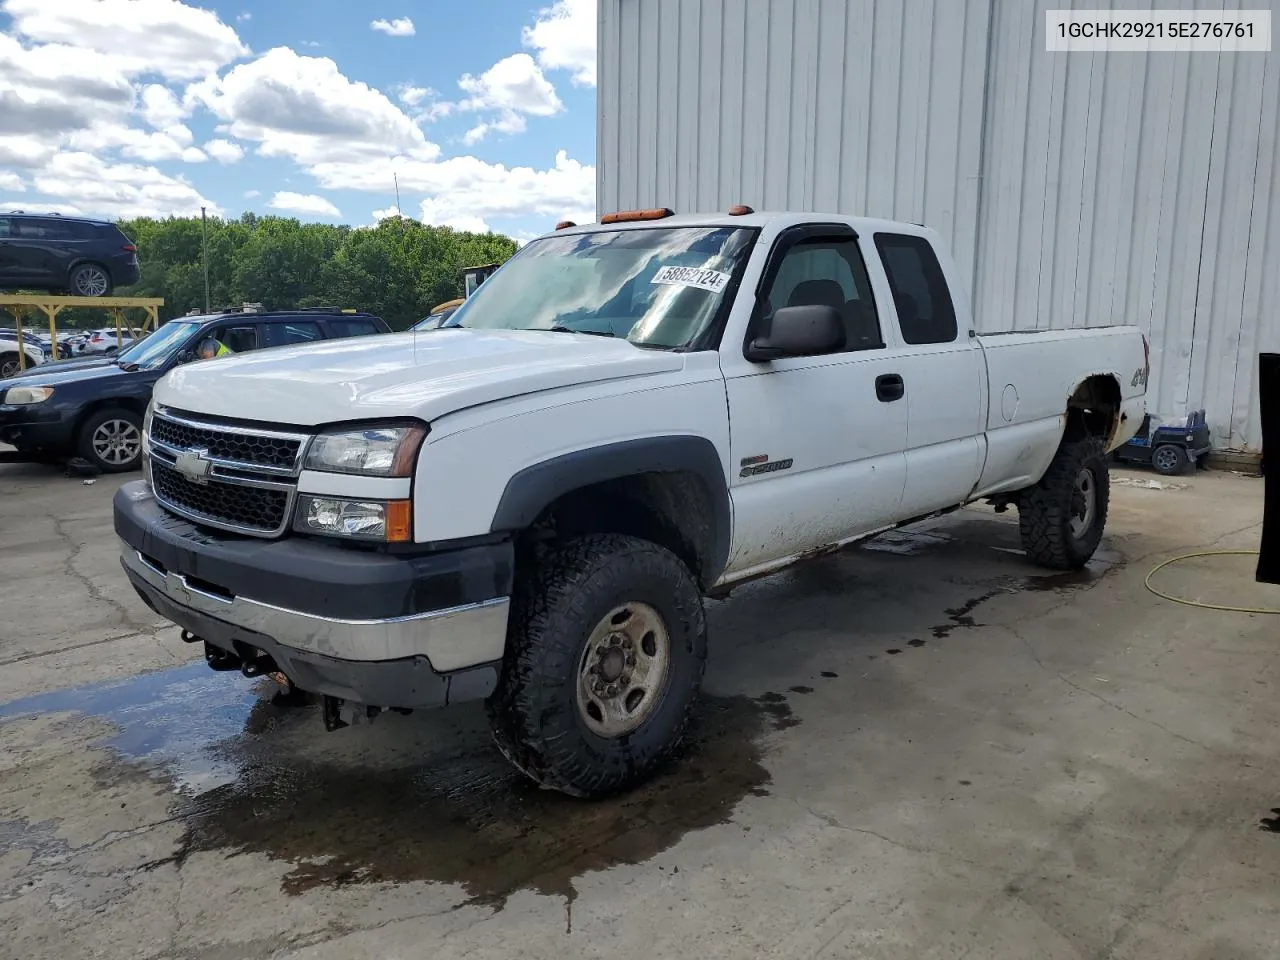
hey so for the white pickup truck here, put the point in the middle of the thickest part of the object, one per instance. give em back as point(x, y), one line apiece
point(529, 504)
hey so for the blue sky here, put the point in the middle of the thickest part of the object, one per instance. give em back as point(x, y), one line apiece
point(485, 111)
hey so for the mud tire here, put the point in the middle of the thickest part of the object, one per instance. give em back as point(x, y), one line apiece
point(534, 711)
point(1045, 510)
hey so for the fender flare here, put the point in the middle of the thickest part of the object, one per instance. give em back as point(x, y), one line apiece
point(531, 490)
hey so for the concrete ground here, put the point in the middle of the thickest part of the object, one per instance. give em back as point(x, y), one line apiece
point(924, 748)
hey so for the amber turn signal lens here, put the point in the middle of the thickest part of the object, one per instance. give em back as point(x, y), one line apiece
point(399, 521)
point(740, 210)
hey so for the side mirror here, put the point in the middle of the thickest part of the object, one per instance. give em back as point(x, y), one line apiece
point(803, 331)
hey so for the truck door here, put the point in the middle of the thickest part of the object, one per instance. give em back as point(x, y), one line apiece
point(816, 442)
point(944, 377)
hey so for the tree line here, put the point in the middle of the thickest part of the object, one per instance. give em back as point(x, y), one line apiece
point(397, 270)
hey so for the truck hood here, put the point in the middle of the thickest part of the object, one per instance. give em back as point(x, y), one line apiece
point(424, 375)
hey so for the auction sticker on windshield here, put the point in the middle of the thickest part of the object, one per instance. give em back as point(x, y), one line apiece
point(712, 280)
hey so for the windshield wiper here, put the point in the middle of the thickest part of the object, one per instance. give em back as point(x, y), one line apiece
point(127, 366)
point(561, 328)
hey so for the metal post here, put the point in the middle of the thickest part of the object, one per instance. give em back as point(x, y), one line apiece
point(204, 249)
point(22, 344)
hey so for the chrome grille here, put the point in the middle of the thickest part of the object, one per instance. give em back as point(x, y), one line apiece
point(231, 477)
point(256, 448)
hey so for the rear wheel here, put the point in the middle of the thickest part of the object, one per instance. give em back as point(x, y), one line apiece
point(111, 440)
point(1169, 459)
point(1062, 517)
point(10, 365)
point(90, 280)
point(605, 655)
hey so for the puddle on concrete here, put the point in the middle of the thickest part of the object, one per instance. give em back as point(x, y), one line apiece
point(467, 818)
point(962, 616)
point(830, 674)
point(170, 716)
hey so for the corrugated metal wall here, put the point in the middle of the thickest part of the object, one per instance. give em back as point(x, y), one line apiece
point(1076, 189)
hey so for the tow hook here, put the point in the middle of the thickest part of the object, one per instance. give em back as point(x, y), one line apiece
point(219, 659)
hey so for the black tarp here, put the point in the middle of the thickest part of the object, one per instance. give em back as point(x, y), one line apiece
point(1269, 404)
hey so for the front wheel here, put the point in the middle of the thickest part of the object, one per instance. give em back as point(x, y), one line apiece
point(10, 365)
point(605, 655)
point(112, 440)
point(1062, 517)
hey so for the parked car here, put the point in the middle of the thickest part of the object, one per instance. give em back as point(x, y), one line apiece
point(627, 417)
point(72, 255)
point(94, 406)
point(107, 340)
point(10, 364)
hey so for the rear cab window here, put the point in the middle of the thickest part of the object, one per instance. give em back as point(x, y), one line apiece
point(921, 296)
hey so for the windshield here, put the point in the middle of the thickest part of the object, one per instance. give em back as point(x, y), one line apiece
point(654, 287)
point(156, 349)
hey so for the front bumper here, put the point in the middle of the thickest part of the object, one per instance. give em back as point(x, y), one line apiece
point(35, 426)
point(373, 628)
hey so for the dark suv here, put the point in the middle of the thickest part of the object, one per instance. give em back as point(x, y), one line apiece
point(94, 406)
point(84, 258)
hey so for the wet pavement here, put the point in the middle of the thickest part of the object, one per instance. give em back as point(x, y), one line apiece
point(921, 747)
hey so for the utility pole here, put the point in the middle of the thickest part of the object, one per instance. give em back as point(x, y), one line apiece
point(396, 178)
point(204, 249)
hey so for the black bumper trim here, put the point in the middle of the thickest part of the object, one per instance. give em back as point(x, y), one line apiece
point(318, 578)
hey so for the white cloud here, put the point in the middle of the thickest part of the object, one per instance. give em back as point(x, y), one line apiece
point(380, 215)
point(27, 207)
point(160, 106)
point(311, 43)
point(11, 181)
point(305, 108)
point(25, 151)
point(399, 27)
point(172, 143)
point(303, 203)
point(250, 194)
point(117, 189)
point(412, 96)
point(49, 90)
point(224, 151)
point(242, 17)
point(140, 37)
point(564, 37)
point(465, 223)
point(468, 187)
point(515, 84)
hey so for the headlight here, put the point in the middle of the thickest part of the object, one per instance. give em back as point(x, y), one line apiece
point(21, 396)
point(370, 452)
point(384, 521)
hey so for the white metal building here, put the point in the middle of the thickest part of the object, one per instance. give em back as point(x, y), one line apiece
point(1076, 189)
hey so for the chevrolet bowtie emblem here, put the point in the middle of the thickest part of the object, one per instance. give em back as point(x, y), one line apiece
point(194, 465)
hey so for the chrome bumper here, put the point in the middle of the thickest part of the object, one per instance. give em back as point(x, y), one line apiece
point(450, 639)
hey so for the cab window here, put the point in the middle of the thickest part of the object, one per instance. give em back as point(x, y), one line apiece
point(240, 339)
point(293, 333)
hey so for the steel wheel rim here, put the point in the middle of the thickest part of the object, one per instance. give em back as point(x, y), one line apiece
point(116, 442)
point(1084, 502)
point(9, 368)
point(91, 282)
point(622, 675)
point(1166, 458)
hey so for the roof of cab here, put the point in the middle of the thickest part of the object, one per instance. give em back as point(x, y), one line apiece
point(758, 220)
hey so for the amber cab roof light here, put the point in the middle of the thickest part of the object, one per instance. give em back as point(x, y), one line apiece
point(628, 216)
point(565, 224)
point(740, 210)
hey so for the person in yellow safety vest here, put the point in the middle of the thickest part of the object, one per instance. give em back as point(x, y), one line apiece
point(210, 348)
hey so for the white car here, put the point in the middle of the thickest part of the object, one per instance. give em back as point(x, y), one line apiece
point(628, 416)
point(10, 362)
point(106, 340)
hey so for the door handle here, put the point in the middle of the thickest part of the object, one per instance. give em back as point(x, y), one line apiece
point(889, 387)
